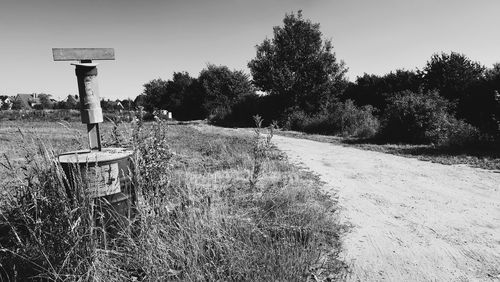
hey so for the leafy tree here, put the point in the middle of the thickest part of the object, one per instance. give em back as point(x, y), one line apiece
point(222, 89)
point(184, 98)
point(140, 100)
point(181, 95)
point(461, 81)
point(154, 94)
point(176, 89)
point(109, 106)
point(20, 104)
point(45, 101)
point(127, 104)
point(374, 90)
point(298, 65)
point(492, 82)
point(71, 102)
point(451, 74)
point(492, 77)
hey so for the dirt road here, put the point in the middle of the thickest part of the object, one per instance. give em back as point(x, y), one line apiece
point(412, 220)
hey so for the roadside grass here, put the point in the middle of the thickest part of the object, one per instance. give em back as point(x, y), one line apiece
point(485, 157)
point(212, 206)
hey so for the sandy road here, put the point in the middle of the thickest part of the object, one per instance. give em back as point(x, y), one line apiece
point(412, 220)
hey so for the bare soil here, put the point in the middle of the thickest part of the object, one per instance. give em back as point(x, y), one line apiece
point(412, 220)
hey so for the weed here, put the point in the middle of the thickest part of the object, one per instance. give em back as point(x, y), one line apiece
point(47, 234)
point(116, 136)
point(260, 151)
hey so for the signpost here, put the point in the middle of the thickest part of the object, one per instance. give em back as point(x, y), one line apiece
point(88, 88)
point(107, 171)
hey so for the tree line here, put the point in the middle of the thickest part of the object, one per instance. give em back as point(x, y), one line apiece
point(298, 82)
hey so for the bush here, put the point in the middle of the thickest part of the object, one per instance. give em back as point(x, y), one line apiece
point(344, 118)
point(297, 120)
point(410, 117)
point(240, 114)
point(420, 118)
point(451, 132)
point(356, 121)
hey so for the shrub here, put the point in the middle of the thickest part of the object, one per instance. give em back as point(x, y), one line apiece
point(450, 132)
point(410, 117)
point(240, 114)
point(425, 118)
point(296, 120)
point(344, 118)
point(356, 121)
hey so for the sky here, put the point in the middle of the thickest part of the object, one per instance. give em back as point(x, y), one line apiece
point(154, 38)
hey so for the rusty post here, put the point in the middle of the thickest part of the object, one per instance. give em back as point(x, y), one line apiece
point(88, 89)
point(90, 102)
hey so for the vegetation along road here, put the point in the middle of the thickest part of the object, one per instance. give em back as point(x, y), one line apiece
point(411, 220)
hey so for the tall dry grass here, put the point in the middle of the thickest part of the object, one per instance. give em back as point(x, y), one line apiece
point(211, 206)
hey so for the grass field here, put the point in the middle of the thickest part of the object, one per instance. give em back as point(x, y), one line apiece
point(214, 205)
point(20, 138)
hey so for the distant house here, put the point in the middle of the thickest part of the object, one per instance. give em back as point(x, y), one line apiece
point(28, 100)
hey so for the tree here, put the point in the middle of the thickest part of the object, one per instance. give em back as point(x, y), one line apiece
point(181, 95)
point(492, 83)
point(492, 77)
point(139, 101)
point(127, 104)
point(20, 104)
point(109, 105)
point(154, 94)
point(375, 90)
point(222, 89)
point(298, 65)
point(177, 88)
point(461, 81)
point(71, 102)
point(184, 97)
point(451, 74)
point(45, 101)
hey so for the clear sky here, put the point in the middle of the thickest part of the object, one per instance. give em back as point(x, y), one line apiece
point(154, 38)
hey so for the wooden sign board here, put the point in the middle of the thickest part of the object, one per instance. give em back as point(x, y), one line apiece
point(83, 54)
